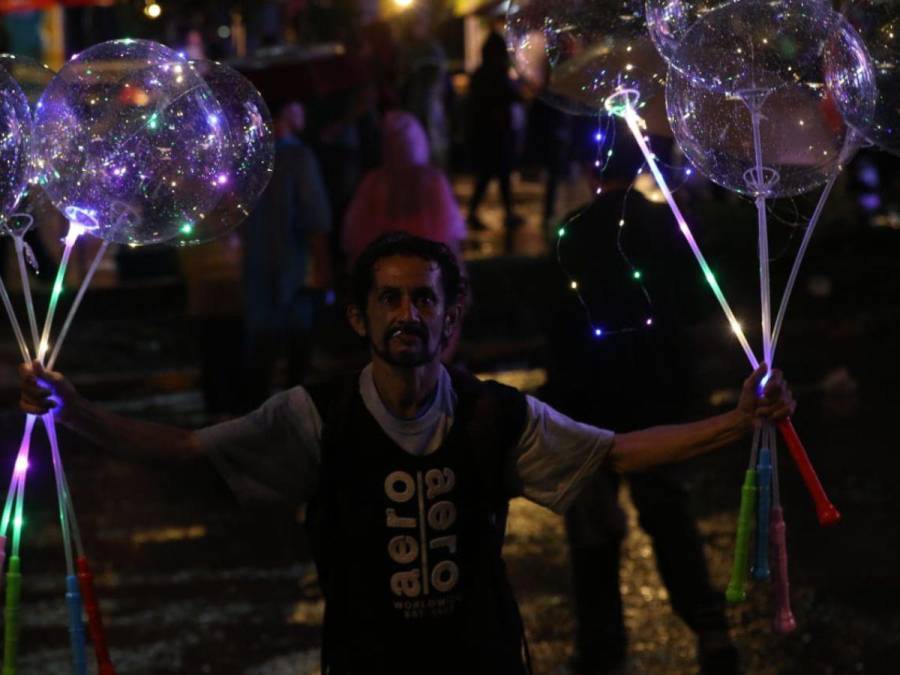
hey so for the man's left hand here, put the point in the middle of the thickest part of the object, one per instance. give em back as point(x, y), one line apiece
point(776, 401)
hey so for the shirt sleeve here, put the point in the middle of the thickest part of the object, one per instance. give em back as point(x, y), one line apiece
point(555, 456)
point(273, 453)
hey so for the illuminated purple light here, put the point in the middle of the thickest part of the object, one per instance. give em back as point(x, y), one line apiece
point(21, 465)
point(222, 179)
point(598, 332)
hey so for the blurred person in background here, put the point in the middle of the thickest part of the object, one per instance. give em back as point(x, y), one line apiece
point(647, 371)
point(423, 83)
point(492, 137)
point(405, 193)
point(287, 263)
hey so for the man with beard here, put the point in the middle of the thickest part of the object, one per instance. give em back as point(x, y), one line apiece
point(408, 469)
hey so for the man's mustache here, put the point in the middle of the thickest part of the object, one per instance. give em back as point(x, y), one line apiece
point(407, 328)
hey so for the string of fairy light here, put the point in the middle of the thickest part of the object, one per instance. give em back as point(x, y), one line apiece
point(604, 138)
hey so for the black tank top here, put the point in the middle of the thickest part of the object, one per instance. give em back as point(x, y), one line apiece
point(409, 548)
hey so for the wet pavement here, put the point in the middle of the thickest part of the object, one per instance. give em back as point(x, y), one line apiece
point(191, 581)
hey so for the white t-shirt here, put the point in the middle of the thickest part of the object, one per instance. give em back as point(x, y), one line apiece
point(278, 447)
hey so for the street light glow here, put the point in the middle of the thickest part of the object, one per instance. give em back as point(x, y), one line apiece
point(152, 10)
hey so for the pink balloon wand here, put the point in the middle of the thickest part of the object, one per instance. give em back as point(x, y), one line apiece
point(784, 621)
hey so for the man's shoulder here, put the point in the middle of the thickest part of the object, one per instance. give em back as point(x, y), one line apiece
point(327, 393)
point(493, 402)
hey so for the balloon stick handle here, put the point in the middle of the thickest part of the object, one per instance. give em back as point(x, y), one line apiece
point(825, 510)
point(736, 591)
point(95, 618)
point(11, 616)
point(784, 619)
point(763, 506)
point(76, 626)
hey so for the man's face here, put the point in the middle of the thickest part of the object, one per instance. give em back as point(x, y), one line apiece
point(406, 321)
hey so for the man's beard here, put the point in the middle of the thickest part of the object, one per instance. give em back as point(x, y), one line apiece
point(408, 359)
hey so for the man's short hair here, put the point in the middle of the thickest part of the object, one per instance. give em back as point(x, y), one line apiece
point(362, 278)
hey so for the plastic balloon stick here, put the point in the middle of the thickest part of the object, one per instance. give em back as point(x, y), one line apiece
point(622, 104)
point(60, 496)
point(763, 507)
point(75, 231)
point(95, 619)
point(95, 263)
point(19, 471)
point(853, 138)
point(76, 626)
point(737, 591)
point(11, 616)
point(20, 339)
point(26, 286)
point(757, 181)
point(784, 618)
point(825, 510)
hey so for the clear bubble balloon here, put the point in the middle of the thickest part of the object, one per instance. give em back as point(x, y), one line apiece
point(576, 54)
point(248, 152)
point(755, 45)
point(878, 23)
point(32, 77)
point(803, 134)
point(15, 132)
point(128, 140)
point(669, 20)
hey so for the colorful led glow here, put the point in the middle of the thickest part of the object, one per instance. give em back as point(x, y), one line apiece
point(21, 465)
point(621, 104)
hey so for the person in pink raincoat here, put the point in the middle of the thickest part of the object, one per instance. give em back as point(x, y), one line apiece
point(404, 194)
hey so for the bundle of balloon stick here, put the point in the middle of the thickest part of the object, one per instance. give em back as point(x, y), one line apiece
point(135, 145)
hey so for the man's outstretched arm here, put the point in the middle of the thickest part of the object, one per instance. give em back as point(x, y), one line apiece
point(45, 391)
point(639, 450)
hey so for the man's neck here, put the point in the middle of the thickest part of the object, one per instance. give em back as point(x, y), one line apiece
point(405, 392)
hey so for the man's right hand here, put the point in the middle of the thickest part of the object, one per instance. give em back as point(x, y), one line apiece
point(45, 390)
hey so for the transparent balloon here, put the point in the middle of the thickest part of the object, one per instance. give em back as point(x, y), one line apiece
point(248, 152)
point(576, 54)
point(804, 135)
point(878, 23)
point(15, 132)
point(669, 20)
point(33, 78)
point(128, 141)
point(31, 75)
point(755, 45)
